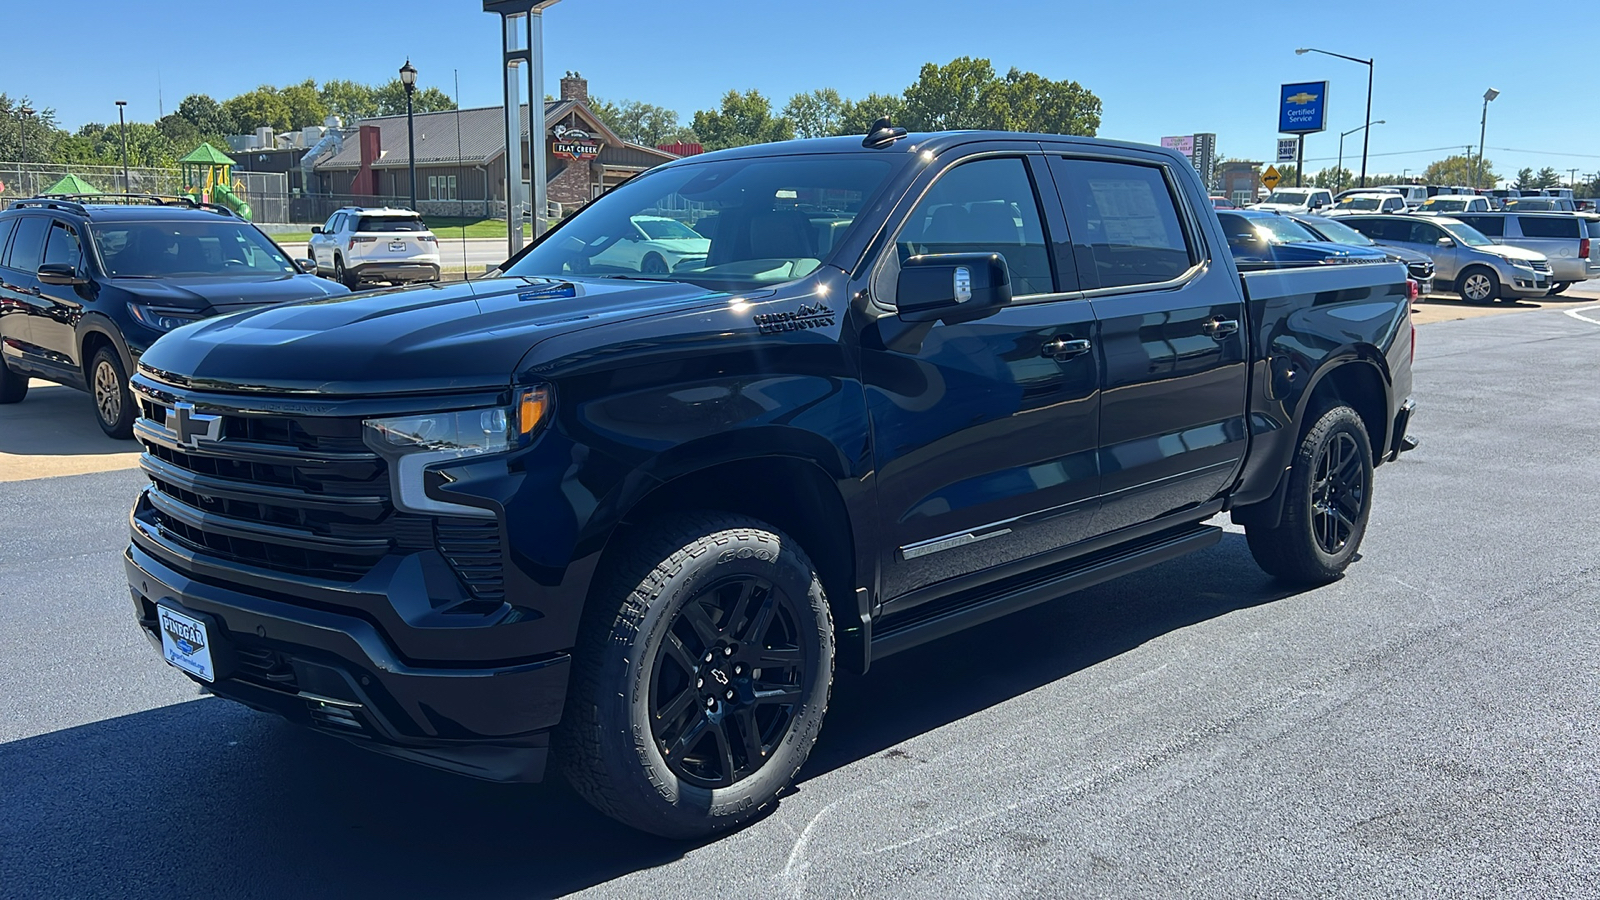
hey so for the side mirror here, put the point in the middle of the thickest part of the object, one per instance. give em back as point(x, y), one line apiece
point(59, 273)
point(316, 229)
point(307, 266)
point(1446, 242)
point(952, 287)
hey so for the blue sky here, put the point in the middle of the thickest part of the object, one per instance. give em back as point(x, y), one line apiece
point(1161, 68)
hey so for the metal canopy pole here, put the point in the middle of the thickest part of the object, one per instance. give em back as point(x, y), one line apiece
point(526, 49)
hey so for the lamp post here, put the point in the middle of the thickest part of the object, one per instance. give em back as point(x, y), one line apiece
point(1365, 137)
point(1483, 128)
point(408, 77)
point(1340, 166)
point(122, 123)
point(24, 113)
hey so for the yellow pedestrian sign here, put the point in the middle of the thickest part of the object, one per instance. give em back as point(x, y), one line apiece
point(1270, 177)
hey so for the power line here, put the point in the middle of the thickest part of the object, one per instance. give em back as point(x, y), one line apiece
point(1548, 152)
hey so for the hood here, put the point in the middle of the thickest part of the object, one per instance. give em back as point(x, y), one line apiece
point(1281, 207)
point(441, 338)
point(228, 294)
point(1510, 252)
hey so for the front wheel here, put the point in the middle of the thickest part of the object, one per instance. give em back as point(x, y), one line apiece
point(113, 404)
point(1326, 508)
point(654, 265)
point(1558, 287)
point(701, 676)
point(1478, 285)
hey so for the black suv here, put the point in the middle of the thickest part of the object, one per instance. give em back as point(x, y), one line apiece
point(88, 282)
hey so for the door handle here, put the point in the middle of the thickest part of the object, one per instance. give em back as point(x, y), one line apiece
point(1219, 328)
point(1064, 348)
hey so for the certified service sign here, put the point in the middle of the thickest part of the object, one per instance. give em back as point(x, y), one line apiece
point(1303, 108)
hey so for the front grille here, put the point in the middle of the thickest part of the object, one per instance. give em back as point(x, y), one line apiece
point(303, 495)
point(1540, 265)
point(1421, 271)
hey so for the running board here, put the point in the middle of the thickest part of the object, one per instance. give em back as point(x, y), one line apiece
point(919, 625)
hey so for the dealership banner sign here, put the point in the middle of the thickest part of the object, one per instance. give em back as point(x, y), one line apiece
point(1303, 108)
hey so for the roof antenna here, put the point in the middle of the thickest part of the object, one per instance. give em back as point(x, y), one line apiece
point(883, 133)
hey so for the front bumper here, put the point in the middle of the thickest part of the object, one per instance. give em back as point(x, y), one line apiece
point(340, 674)
point(1525, 284)
point(396, 271)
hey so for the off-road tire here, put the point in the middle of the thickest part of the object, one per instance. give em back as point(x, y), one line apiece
point(607, 746)
point(114, 409)
point(13, 387)
point(1295, 551)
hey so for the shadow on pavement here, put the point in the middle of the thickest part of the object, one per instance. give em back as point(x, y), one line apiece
point(209, 799)
point(55, 421)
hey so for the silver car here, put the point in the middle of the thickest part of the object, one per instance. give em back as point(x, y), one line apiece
point(1563, 237)
point(1477, 268)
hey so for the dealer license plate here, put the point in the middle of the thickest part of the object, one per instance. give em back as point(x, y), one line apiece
point(397, 245)
point(185, 644)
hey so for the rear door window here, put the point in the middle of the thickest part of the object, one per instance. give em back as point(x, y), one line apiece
point(1493, 226)
point(27, 248)
point(1550, 227)
point(1124, 222)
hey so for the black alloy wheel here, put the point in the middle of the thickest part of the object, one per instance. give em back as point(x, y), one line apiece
point(113, 404)
point(1339, 493)
point(729, 678)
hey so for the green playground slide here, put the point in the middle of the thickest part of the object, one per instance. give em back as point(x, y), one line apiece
point(224, 196)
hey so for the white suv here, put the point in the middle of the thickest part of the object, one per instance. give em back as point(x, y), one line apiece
point(359, 244)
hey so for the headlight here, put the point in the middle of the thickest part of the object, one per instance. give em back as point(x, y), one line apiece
point(1522, 264)
point(163, 318)
point(412, 443)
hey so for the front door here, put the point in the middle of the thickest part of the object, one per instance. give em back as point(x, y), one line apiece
point(61, 306)
point(1173, 396)
point(984, 433)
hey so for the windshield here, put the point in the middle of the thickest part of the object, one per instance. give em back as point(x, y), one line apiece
point(389, 224)
point(1295, 198)
point(1340, 233)
point(1282, 230)
point(158, 249)
point(667, 230)
point(1360, 203)
point(1466, 234)
point(763, 221)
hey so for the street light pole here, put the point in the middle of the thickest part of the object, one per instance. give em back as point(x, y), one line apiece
point(1365, 137)
point(408, 77)
point(1483, 128)
point(24, 113)
point(122, 122)
point(1339, 167)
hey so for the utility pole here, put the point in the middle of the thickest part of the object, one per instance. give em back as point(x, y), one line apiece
point(123, 122)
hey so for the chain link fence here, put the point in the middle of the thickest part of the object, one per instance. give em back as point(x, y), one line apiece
point(266, 192)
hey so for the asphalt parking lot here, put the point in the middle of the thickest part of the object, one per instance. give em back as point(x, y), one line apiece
point(1427, 726)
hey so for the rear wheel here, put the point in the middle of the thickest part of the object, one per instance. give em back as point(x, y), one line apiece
point(13, 387)
point(342, 276)
point(701, 676)
point(1478, 285)
point(1329, 497)
point(113, 405)
point(1558, 287)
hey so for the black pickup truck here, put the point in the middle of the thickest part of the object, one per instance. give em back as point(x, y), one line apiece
point(626, 505)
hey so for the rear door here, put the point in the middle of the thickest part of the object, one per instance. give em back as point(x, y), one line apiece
point(19, 293)
point(1171, 337)
point(984, 432)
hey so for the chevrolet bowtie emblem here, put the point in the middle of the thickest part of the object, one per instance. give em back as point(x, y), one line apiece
point(1301, 99)
point(190, 427)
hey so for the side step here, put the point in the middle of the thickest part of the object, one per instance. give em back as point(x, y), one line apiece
point(940, 618)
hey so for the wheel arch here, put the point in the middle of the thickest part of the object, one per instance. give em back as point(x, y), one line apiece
point(95, 333)
point(795, 494)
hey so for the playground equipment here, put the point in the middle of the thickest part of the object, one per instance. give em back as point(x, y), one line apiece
point(71, 184)
point(208, 178)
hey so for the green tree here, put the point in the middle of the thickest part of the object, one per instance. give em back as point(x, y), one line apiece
point(262, 107)
point(349, 100)
point(642, 123)
point(1460, 169)
point(1030, 102)
point(960, 94)
point(815, 113)
point(305, 104)
point(1547, 178)
point(27, 138)
point(1334, 179)
point(743, 118)
point(205, 114)
point(391, 99)
point(857, 116)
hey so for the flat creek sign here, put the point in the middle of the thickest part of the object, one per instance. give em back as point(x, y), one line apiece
point(574, 143)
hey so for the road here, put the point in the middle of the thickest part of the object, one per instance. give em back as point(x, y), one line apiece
point(1425, 727)
point(455, 254)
